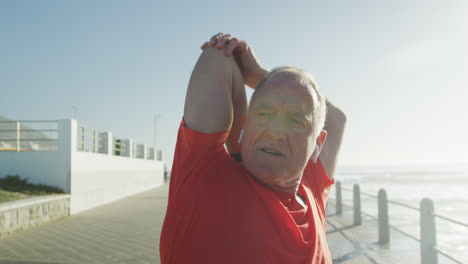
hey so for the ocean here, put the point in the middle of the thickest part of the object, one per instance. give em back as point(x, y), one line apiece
point(446, 185)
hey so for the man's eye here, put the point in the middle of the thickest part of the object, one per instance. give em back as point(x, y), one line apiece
point(297, 122)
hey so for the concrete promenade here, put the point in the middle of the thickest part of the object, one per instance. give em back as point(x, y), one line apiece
point(127, 231)
point(352, 244)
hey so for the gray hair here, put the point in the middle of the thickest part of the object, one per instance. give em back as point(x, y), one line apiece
point(306, 79)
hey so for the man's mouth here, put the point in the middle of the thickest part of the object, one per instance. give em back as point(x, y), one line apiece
point(271, 151)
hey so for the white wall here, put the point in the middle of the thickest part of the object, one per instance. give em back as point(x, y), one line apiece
point(99, 178)
point(92, 179)
point(42, 167)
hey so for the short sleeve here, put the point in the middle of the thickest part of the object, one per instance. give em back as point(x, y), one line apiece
point(193, 153)
point(318, 181)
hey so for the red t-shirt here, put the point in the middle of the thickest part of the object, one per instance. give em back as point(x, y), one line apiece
point(218, 213)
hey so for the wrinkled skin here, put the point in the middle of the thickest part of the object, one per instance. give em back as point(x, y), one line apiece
point(279, 139)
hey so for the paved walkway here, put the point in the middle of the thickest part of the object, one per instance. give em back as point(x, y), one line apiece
point(359, 244)
point(126, 231)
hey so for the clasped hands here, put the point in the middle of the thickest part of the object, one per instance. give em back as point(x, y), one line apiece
point(251, 70)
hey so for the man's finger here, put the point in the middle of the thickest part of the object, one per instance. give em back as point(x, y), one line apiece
point(223, 41)
point(203, 47)
point(231, 46)
point(215, 38)
point(242, 46)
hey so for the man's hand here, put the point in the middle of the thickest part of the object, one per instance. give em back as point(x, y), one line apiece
point(252, 72)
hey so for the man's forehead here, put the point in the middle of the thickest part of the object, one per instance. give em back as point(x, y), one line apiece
point(298, 110)
point(287, 82)
point(293, 98)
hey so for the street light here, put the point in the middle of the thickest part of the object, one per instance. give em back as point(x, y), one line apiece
point(156, 116)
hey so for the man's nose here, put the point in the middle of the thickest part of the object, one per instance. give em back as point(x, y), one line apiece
point(277, 129)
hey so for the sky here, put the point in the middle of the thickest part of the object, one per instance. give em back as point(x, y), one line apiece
point(396, 68)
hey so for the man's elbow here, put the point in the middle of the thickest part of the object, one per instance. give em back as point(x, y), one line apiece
point(341, 117)
point(336, 115)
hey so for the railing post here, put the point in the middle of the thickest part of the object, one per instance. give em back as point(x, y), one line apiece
point(66, 147)
point(384, 227)
point(339, 205)
point(109, 143)
point(82, 138)
point(357, 205)
point(18, 127)
point(428, 232)
point(94, 140)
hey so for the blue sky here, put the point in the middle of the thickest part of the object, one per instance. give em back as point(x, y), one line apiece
point(397, 68)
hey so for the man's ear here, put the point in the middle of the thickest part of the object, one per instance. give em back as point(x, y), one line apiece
point(321, 139)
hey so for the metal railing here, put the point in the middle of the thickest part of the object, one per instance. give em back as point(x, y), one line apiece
point(138, 151)
point(150, 154)
point(119, 146)
point(31, 138)
point(88, 140)
point(429, 250)
point(14, 135)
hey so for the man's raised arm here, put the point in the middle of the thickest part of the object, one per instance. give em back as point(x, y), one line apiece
point(209, 102)
point(216, 98)
point(334, 125)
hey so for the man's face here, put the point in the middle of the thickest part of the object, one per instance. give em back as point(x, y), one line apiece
point(278, 139)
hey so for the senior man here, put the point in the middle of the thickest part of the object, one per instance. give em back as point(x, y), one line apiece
point(247, 183)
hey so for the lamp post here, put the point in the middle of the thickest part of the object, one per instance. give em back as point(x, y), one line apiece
point(156, 116)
